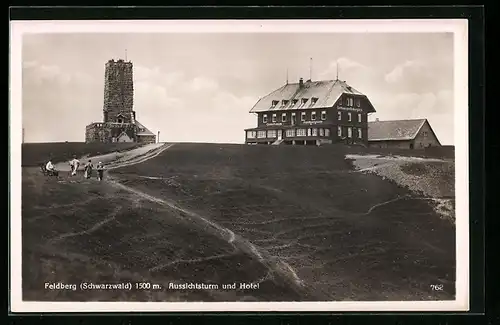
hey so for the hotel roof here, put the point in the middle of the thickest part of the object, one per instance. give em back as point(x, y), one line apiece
point(316, 94)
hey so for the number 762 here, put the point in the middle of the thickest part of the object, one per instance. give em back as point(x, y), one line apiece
point(436, 287)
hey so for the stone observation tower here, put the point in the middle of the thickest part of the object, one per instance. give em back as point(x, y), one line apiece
point(119, 118)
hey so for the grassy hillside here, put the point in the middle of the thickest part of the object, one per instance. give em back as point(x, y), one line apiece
point(34, 154)
point(209, 213)
point(347, 234)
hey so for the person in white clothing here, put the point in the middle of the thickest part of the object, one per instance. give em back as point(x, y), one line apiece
point(74, 164)
point(51, 169)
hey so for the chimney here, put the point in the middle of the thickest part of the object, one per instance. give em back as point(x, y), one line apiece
point(301, 82)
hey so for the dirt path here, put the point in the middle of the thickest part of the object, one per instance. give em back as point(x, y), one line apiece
point(120, 159)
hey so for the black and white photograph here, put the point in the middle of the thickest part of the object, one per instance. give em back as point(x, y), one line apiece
point(239, 165)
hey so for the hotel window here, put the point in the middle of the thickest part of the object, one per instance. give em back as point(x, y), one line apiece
point(313, 116)
point(349, 132)
point(294, 118)
point(349, 101)
point(290, 133)
point(251, 134)
point(360, 134)
point(339, 131)
point(274, 118)
point(283, 117)
point(303, 116)
point(301, 132)
point(303, 101)
point(284, 103)
point(261, 134)
point(271, 134)
point(339, 115)
point(309, 132)
point(327, 132)
point(321, 132)
point(294, 101)
point(349, 117)
point(323, 115)
point(314, 132)
point(264, 118)
point(274, 103)
point(359, 118)
point(358, 102)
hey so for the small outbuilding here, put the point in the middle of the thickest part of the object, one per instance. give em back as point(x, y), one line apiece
point(402, 134)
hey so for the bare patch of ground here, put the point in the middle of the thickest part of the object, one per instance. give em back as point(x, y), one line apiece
point(433, 179)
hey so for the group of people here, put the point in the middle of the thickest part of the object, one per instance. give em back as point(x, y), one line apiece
point(75, 164)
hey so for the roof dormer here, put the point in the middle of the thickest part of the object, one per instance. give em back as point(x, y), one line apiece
point(313, 101)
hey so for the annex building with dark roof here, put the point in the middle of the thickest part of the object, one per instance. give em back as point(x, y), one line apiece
point(119, 117)
point(402, 134)
point(311, 113)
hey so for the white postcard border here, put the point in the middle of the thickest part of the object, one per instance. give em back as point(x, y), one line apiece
point(459, 27)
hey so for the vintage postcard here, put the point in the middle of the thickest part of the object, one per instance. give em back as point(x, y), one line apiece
point(313, 165)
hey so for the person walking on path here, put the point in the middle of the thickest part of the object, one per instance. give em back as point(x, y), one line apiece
point(74, 164)
point(88, 169)
point(100, 171)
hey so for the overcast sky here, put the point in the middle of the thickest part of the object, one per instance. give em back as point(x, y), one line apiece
point(200, 88)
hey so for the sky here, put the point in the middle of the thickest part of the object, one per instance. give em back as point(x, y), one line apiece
point(201, 87)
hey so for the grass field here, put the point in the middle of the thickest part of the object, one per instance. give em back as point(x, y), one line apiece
point(302, 222)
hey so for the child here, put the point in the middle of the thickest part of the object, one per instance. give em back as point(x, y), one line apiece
point(74, 164)
point(88, 169)
point(100, 171)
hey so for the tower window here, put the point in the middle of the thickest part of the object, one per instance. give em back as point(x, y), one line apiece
point(339, 115)
point(349, 117)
